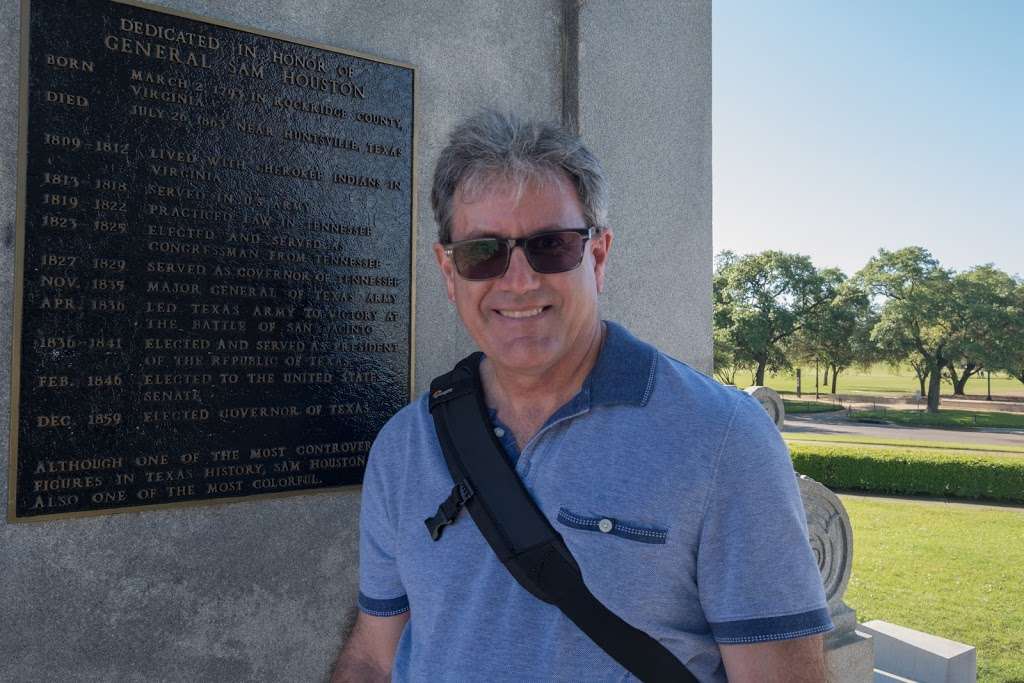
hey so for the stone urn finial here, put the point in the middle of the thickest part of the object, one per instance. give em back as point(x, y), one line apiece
point(771, 402)
point(831, 537)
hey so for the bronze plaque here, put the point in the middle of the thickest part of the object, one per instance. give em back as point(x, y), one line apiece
point(214, 287)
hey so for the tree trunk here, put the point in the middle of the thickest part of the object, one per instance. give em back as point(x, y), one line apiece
point(835, 379)
point(934, 387)
point(922, 376)
point(759, 375)
point(824, 380)
point(959, 383)
point(954, 378)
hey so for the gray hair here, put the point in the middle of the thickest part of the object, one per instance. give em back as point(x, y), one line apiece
point(491, 146)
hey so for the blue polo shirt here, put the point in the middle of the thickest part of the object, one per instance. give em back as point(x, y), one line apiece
point(675, 494)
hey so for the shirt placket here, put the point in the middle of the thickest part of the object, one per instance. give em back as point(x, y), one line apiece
point(538, 443)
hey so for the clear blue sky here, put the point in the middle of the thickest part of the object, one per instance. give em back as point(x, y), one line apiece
point(841, 127)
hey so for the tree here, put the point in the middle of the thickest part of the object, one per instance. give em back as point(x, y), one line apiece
point(983, 298)
point(918, 306)
point(725, 360)
point(761, 301)
point(838, 333)
point(1006, 350)
point(897, 348)
point(1013, 339)
point(726, 363)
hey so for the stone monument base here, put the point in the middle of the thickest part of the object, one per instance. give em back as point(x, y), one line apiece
point(849, 655)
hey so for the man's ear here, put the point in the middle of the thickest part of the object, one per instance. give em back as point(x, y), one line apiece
point(602, 244)
point(447, 270)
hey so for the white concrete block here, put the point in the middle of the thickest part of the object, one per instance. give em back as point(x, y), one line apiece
point(920, 656)
point(886, 677)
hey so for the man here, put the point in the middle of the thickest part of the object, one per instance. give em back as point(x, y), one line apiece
point(675, 495)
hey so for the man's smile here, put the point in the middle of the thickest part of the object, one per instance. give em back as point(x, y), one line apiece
point(518, 313)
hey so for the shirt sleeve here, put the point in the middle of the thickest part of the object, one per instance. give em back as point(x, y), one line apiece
point(757, 577)
point(381, 593)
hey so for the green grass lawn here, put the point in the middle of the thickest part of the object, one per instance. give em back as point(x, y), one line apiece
point(881, 379)
point(951, 570)
point(799, 407)
point(955, 419)
point(916, 444)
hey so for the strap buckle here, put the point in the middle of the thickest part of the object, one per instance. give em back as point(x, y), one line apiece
point(448, 511)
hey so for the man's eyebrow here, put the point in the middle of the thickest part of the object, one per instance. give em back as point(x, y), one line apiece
point(477, 233)
point(482, 232)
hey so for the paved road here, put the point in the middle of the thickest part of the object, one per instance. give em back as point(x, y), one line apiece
point(826, 423)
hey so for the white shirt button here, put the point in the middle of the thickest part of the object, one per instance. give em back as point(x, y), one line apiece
point(605, 525)
point(499, 432)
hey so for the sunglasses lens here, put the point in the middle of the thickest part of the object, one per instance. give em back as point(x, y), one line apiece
point(480, 259)
point(555, 252)
point(549, 252)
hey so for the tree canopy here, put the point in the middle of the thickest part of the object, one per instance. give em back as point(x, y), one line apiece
point(773, 309)
point(761, 301)
point(919, 303)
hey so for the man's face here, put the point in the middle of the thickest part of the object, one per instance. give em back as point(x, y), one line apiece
point(527, 322)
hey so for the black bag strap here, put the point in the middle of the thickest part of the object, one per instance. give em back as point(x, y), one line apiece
point(520, 535)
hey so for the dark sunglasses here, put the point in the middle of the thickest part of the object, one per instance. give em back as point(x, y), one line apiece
point(556, 251)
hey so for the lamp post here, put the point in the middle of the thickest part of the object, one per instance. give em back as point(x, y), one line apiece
point(989, 397)
point(816, 379)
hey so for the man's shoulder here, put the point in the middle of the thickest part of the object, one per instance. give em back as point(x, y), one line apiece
point(676, 380)
point(412, 422)
point(696, 381)
point(634, 372)
point(711, 401)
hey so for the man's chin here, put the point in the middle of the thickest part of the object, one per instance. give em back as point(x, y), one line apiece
point(527, 356)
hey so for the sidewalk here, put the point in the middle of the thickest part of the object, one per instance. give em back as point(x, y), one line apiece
point(914, 402)
point(927, 500)
point(837, 424)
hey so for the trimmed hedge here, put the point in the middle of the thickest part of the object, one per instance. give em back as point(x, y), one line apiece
point(911, 472)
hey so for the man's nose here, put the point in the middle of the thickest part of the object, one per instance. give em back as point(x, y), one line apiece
point(520, 274)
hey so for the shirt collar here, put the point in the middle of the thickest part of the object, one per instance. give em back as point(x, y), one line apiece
point(624, 371)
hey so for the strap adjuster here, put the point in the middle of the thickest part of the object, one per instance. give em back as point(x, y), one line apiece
point(448, 511)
